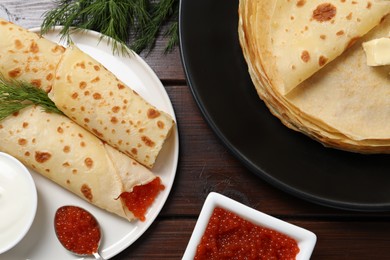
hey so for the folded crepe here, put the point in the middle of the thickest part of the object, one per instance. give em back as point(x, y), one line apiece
point(93, 97)
point(349, 95)
point(297, 38)
point(344, 104)
point(59, 149)
point(86, 92)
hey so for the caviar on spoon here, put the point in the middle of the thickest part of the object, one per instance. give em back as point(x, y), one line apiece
point(78, 231)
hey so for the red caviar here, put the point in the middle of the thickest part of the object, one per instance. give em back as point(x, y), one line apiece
point(228, 236)
point(77, 230)
point(142, 196)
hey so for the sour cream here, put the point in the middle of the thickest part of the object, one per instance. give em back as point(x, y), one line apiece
point(18, 201)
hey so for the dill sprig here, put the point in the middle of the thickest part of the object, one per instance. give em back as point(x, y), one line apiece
point(117, 20)
point(16, 95)
point(161, 13)
point(110, 17)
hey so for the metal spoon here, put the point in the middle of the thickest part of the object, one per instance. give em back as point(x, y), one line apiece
point(63, 217)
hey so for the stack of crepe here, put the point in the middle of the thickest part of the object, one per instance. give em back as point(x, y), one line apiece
point(307, 63)
point(110, 137)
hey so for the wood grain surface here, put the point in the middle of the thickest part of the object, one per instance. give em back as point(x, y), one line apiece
point(206, 165)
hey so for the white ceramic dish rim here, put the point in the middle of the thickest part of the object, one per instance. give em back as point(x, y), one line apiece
point(33, 200)
point(305, 238)
point(118, 233)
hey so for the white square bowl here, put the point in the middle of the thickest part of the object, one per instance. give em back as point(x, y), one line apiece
point(306, 239)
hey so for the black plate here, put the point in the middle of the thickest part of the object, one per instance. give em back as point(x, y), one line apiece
point(218, 76)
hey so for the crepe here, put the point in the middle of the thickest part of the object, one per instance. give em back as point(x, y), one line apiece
point(343, 105)
point(57, 148)
point(86, 92)
point(26, 56)
point(93, 97)
point(359, 107)
point(297, 38)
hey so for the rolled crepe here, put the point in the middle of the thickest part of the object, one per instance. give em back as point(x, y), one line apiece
point(26, 56)
point(59, 149)
point(86, 92)
point(93, 97)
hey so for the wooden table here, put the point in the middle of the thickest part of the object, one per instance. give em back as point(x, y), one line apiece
point(206, 165)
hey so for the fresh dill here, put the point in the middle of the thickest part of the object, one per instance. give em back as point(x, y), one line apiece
point(16, 95)
point(133, 23)
point(162, 13)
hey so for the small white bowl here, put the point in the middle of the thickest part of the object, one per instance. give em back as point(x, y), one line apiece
point(306, 239)
point(18, 201)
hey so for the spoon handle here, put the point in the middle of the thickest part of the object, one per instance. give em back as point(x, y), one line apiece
point(97, 256)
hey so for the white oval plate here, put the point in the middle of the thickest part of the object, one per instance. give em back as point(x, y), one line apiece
point(118, 234)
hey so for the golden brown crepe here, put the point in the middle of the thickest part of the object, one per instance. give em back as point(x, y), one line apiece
point(297, 38)
point(344, 104)
point(69, 155)
point(87, 92)
point(94, 98)
point(26, 56)
point(349, 95)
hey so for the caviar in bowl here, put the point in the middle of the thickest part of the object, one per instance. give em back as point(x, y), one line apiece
point(18, 201)
point(227, 229)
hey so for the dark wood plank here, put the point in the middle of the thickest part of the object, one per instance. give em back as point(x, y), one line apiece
point(167, 66)
point(350, 239)
point(205, 165)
